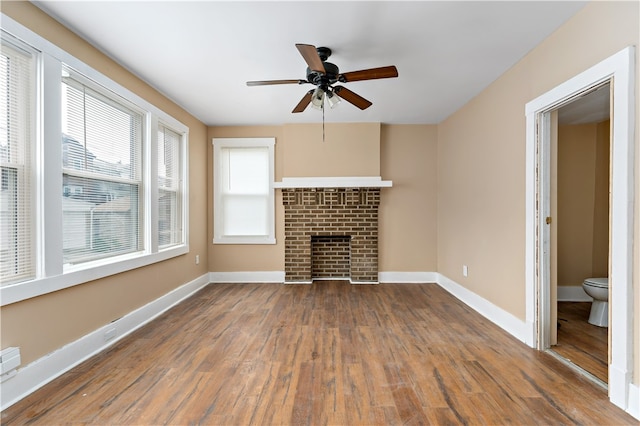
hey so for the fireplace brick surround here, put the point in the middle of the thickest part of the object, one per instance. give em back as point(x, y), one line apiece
point(331, 212)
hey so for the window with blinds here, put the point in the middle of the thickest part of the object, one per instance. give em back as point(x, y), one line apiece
point(92, 176)
point(101, 174)
point(17, 106)
point(243, 191)
point(170, 195)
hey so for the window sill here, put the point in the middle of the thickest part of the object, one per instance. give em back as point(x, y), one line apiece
point(244, 240)
point(81, 274)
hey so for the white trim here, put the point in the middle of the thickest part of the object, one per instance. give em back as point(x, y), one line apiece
point(408, 277)
point(40, 372)
point(363, 282)
point(27, 289)
point(247, 277)
point(503, 319)
point(621, 68)
point(572, 293)
point(334, 182)
point(279, 277)
point(634, 401)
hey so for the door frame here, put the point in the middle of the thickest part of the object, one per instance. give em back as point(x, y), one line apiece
point(619, 68)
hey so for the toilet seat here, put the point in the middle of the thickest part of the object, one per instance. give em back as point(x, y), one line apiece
point(597, 282)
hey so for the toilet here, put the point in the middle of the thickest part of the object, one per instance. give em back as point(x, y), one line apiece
point(598, 289)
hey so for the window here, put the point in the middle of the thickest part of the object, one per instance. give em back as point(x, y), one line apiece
point(243, 191)
point(17, 92)
point(170, 196)
point(101, 174)
point(93, 178)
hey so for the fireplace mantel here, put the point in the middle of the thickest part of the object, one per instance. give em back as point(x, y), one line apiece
point(333, 182)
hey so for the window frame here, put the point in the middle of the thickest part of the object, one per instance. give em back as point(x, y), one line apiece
point(218, 204)
point(79, 82)
point(51, 273)
point(180, 190)
point(24, 168)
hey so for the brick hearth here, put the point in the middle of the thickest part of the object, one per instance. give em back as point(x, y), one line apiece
point(331, 212)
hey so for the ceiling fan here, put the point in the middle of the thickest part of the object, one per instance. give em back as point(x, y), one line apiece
point(324, 75)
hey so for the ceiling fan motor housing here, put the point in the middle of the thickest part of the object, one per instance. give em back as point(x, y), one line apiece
point(329, 77)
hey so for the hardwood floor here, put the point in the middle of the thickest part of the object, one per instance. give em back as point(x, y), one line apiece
point(583, 344)
point(327, 353)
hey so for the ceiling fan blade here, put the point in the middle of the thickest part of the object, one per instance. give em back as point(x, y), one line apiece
point(311, 57)
point(302, 105)
point(351, 97)
point(269, 82)
point(370, 74)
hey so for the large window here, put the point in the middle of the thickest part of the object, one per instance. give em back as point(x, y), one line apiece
point(243, 191)
point(17, 91)
point(101, 180)
point(92, 176)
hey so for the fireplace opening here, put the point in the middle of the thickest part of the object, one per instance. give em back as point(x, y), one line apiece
point(330, 257)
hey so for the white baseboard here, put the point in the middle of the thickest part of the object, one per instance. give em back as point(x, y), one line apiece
point(633, 407)
point(40, 372)
point(408, 277)
point(503, 319)
point(279, 277)
point(572, 293)
point(247, 277)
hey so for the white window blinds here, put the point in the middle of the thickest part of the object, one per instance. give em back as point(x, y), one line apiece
point(17, 91)
point(102, 176)
point(243, 191)
point(169, 188)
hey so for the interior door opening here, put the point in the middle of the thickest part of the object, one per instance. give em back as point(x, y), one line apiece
point(619, 70)
point(579, 168)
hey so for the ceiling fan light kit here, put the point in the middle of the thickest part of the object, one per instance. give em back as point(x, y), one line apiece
point(324, 75)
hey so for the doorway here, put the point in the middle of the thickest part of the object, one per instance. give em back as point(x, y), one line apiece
point(618, 69)
point(579, 230)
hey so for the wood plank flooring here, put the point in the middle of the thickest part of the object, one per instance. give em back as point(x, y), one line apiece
point(328, 353)
point(583, 344)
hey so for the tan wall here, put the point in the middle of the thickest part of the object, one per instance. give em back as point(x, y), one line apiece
point(404, 154)
point(407, 239)
point(42, 324)
point(600, 255)
point(481, 159)
point(583, 189)
point(349, 149)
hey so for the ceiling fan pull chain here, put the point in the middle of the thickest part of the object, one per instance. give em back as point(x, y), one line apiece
point(323, 122)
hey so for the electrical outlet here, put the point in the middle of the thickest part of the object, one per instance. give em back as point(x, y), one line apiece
point(197, 259)
point(465, 270)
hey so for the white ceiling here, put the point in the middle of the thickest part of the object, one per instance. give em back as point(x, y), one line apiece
point(593, 107)
point(200, 54)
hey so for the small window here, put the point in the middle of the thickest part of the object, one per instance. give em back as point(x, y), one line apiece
point(243, 191)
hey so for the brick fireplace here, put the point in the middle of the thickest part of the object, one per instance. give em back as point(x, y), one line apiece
point(331, 231)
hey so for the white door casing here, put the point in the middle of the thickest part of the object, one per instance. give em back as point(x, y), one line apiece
point(619, 68)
